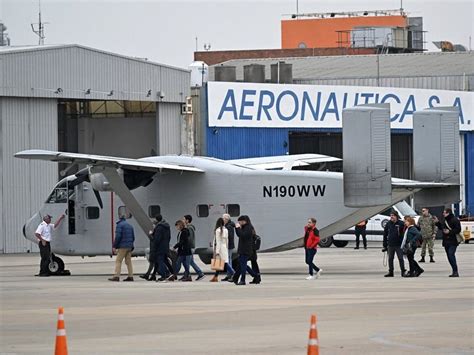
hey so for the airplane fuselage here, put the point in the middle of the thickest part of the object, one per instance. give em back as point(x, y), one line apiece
point(278, 203)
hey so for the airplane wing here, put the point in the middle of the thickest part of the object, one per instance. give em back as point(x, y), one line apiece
point(285, 162)
point(100, 160)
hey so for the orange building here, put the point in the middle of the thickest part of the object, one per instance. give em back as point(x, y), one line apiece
point(329, 31)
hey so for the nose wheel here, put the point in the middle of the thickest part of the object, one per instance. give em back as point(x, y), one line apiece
point(56, 265)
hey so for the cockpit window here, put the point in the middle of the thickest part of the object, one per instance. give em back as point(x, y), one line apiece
point(60, 193)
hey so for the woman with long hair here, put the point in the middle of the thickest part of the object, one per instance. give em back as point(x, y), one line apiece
point(221, 247)
point(183, 248)
point(409, 245)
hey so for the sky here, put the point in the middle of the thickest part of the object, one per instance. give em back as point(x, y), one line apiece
point(165, 31)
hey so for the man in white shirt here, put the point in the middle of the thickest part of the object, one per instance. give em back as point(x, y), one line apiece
point(44, 233)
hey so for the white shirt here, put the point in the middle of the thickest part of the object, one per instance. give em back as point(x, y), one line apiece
point(45, 230)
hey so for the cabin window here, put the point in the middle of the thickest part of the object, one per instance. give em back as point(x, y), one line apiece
point(202, 211)
point(153, 211)
point(233, 210)
point(92, 212)
point(122, 210)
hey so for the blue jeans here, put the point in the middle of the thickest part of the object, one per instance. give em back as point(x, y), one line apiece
point(230, 270)
point(309, 255)
point(186, 261)
point(451, 254)
point(243, 268)
point(196, 268)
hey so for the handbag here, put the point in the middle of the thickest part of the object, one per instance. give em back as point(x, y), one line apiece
point(217, 264)
point(459, 236)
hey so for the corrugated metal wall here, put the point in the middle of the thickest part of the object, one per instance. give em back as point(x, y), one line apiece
point(74, 69)
point(469, 172)
point(234, 143)
point(448, 82)
point(26, 124)
point(169, 126)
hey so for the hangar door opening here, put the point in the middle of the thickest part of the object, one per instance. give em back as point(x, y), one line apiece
point(330, 143)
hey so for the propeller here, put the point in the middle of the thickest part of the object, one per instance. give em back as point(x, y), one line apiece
point(81, 176)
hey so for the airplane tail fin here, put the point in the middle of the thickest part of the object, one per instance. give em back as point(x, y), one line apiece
point(366, 155)
point(436, 154)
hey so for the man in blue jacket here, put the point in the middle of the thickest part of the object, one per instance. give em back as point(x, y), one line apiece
point(123, 245)
point(392, 241)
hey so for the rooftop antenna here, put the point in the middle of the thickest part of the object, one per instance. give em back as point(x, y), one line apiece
point(40, 30)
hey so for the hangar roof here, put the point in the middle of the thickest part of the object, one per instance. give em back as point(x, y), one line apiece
point(364, 66)
point(87, 73)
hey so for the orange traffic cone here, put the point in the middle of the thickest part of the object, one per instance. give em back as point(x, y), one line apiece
point(313, 342)
point(61, 345)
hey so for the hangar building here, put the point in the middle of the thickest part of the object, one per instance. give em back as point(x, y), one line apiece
point(77, 99)
point(441, 74)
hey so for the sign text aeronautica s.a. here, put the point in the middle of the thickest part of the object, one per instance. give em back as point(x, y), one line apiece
point(318, 106)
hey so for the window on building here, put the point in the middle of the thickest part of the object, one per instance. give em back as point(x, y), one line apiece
point(233, 210)
point(153, 211)
point(92, 212)
point(202, 211)
point(122, 210)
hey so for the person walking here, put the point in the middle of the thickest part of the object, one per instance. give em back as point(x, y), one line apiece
point(187, 219)
point(428, 229)
point(183, 247)
point(161, 245)
point(254, 268)
point(392, 240)
point(451, 227)
point(221, 248)
point(361, 230)
point(412, 237)
point(123, 245)
point(230, 226)
point(311, 240)
point(150, 274)
point(44, 233)
point(245, 232)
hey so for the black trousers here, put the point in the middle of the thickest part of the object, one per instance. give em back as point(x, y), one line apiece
point(414, 267)
point(45, 253)
point(362, 233)
point(254, 264)
point(391, 255)
point(162, 262)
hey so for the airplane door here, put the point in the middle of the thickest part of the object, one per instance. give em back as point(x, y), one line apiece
point(76, 211)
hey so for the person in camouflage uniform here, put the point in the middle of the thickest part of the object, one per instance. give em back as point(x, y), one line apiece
point(428, 231)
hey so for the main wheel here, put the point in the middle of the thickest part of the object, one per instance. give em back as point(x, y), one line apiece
point(205, 258)
point(326, 242)
point(340, 243)
point(56, 265)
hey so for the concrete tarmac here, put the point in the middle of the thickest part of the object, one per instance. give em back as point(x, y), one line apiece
point(359, 311)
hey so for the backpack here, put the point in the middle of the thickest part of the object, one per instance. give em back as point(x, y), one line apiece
point(257, 241)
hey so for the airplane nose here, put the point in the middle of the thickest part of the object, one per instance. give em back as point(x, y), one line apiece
point(30, 227)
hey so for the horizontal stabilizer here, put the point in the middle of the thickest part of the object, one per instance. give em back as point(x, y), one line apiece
point(90, 159)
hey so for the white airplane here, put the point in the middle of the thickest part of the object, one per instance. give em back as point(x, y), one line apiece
point(277, 201)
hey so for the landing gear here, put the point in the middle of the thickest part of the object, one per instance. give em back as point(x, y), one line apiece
point(326, 242)
point(56, 266)
point(340, 243)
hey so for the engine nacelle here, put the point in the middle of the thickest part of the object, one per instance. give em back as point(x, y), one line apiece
point(99, 182)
